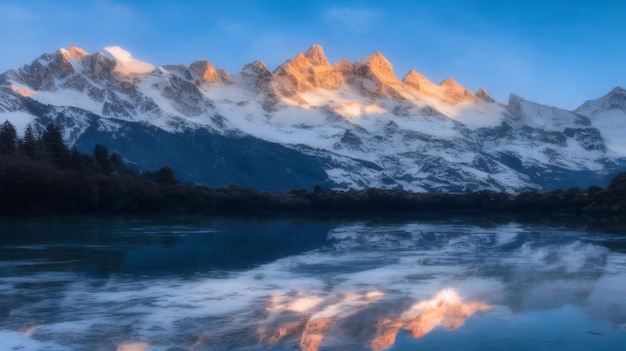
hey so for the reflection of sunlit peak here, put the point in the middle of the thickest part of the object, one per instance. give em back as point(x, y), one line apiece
point(29, 330)
point(448, 296)
point(374, 295)
point(445, 309)
point(317, 315)
point(304, 304)
point(298, 303)
point(132, 346)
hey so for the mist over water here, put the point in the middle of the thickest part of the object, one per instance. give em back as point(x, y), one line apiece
point(194, 284)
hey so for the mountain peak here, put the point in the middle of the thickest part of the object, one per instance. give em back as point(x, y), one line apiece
point(413, 74)
point(316, 56)
point(378, 62)
point(614, 99)
point(483, 95)
point(300, 60)
point(617, 91)
point(450, 84)
point(256, 69)
point(74, 52)
point(454, 93)
point(418, 82)
point(207, 72)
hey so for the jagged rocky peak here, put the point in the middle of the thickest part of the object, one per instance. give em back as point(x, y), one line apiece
point(617, 97)
point(298, 64)
point(258, 73)
point(309, 71)
point(42, 74)
point(74, 52)
point(418, 82)
point(450, 83)
point(448, 91)
point(515, 99)
point(618, 91)
point(515, 103)
point(374, 78)
point(315, 55)
point(204, 71)
point(483, 95)
point(256, 69)
point(378, 63)
point(454, 93)
point(613, 100)
point(98, 65)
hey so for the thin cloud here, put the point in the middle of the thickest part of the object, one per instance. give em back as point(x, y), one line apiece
point(356, 20)
point(230, 26)
point(113, 9)
point(16, 13)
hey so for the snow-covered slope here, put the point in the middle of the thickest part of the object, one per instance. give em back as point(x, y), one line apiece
point(608, 115)
point(355, 123)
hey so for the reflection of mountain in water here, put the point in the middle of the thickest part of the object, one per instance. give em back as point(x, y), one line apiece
point(356, 286)
point(368, 318)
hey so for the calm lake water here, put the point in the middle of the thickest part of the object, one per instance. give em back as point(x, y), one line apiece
point(198, 284)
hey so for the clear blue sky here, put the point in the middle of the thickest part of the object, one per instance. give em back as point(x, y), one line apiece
point(553, 52)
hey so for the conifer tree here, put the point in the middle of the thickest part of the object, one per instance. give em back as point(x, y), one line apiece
point(101, 154)
point(8, 139)
point(30, 144)
point(55, 149)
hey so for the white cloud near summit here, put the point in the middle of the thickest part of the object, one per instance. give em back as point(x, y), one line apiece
point(126, 64)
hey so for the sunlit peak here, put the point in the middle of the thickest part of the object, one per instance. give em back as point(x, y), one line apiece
point(316, 56)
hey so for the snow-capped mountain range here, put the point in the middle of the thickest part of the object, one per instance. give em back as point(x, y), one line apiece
point(342, 125)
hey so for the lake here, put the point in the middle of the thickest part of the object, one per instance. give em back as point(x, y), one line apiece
point(186, 283)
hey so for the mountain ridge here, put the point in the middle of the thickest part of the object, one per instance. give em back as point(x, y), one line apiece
point(355, 122)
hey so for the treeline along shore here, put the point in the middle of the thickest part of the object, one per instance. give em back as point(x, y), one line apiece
point(40, 175)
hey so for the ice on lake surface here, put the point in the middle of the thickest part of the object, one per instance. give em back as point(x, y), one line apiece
point(198, 284)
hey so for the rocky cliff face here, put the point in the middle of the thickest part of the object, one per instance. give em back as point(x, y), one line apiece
point(344, 124)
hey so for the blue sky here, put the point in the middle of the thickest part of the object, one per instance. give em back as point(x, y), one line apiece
point(554, 52)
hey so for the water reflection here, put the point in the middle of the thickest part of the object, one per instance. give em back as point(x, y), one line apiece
point(445, 309)
point(356, 286)
point(132, 346)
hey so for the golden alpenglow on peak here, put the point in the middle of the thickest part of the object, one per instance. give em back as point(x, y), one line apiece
point(454, 93)
point(316, 56)
point(418, 82)
point(300, 60)
point(75, 51)
point(450, 83)
point(307, 72)
point(206, 72)
point(379, 63)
